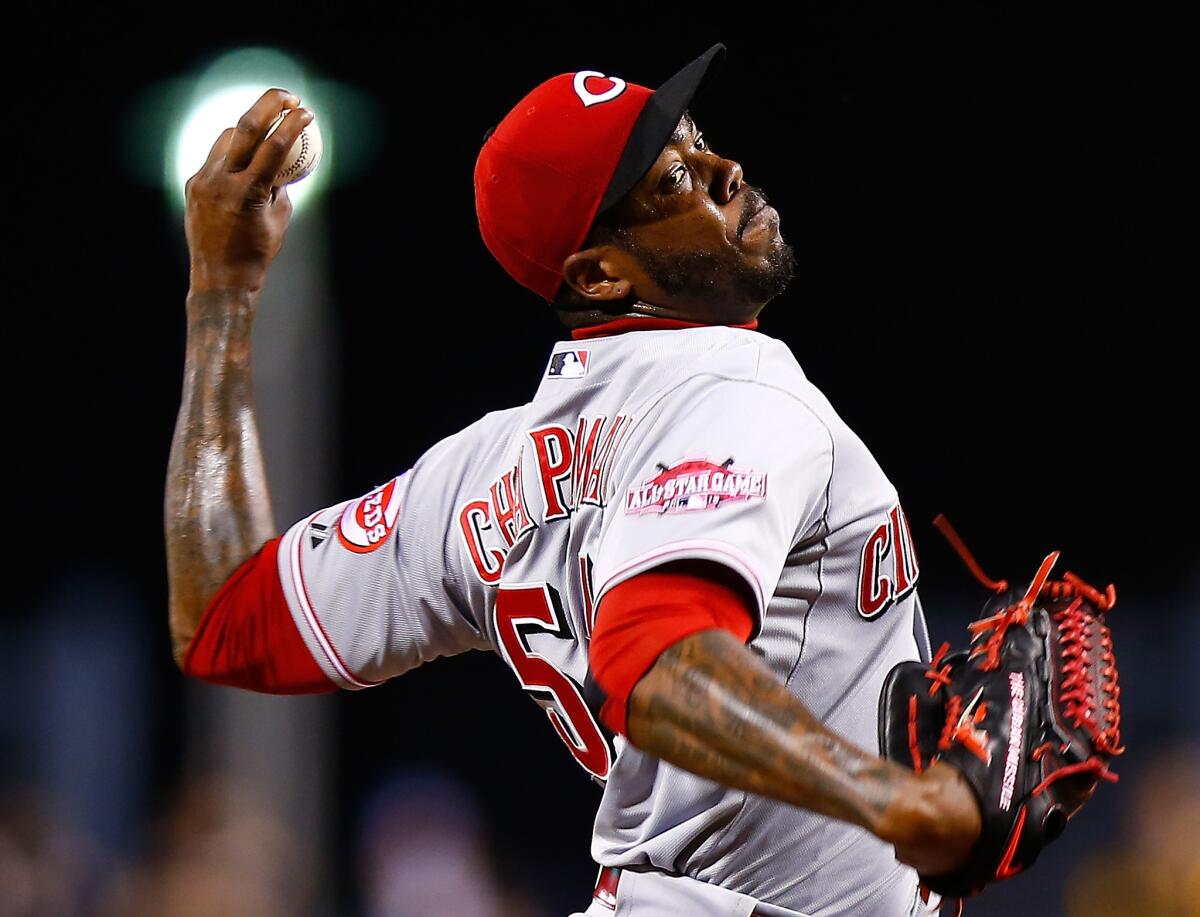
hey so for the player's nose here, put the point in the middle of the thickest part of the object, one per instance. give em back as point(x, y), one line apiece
point(727, 181)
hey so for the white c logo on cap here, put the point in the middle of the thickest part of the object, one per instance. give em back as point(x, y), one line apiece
point(591, 98)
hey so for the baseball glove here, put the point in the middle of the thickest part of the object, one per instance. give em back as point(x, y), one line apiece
point(1028, 712)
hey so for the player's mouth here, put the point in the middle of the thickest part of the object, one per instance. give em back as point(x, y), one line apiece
point(757, 216)
point(764, 220)
point(754, 206)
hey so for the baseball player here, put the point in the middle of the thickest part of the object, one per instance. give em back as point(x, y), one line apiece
point(688, 560)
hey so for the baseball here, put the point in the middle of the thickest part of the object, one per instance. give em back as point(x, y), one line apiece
point(304, 155)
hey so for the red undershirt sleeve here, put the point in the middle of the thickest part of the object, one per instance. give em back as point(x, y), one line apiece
point(247, 637)
point(641, 617)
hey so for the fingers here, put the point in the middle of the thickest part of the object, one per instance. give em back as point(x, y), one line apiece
point(273, 151)
point(214, 158)
point(252, 127)
point(219, 149)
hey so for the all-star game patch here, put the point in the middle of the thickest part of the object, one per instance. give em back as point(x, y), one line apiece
point(693, 485)
point(568, 364)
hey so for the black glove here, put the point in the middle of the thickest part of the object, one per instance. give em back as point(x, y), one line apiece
point(1029, 714)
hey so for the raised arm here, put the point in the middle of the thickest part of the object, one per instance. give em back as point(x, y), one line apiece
point(710, 706)
point(217, 506)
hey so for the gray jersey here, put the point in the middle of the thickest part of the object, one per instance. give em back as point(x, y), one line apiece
point(639, 449)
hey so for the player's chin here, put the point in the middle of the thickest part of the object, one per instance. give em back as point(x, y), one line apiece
point(765, 256)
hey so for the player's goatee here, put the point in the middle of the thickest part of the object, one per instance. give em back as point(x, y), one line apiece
point(723, 275)
point(706, 275)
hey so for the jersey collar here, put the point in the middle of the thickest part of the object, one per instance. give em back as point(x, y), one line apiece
point(643, 323)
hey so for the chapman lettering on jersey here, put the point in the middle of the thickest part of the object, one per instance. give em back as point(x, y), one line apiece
point(573, 469)
point(503, 509)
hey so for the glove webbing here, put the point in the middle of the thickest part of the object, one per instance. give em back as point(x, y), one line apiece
point(1077, 692)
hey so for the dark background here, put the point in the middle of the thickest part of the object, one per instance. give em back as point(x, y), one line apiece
point(995, 220)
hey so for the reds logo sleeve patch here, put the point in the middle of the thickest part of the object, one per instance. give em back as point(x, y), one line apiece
point(366, 523)
point(694, 485)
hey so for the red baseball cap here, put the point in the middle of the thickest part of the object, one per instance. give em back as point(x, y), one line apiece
point(567, 152)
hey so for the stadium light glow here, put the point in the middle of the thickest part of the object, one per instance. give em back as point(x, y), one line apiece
point(222, 94)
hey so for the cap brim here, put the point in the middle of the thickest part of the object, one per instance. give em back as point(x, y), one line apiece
point(657, 122)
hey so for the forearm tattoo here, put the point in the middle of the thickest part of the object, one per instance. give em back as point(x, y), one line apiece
point(217, 508)
point(711, 707)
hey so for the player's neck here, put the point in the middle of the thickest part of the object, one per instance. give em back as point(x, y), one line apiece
point(644, 315)
point(645, 323)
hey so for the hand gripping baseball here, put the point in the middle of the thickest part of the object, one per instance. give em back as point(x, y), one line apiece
point(236, 217)
point(1029, 713)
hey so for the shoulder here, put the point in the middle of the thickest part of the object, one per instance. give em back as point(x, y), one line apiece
point(473, 450)
point(479, 435)
point(746, 376)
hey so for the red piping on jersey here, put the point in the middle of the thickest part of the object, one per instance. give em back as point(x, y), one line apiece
point(640, 618)
point(649, 323)
point(300, 583)
point(247, 637)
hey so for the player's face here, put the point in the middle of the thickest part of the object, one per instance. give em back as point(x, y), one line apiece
point(706, 239)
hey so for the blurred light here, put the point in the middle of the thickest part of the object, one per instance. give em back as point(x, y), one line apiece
point(222, 95)
point(155, 151)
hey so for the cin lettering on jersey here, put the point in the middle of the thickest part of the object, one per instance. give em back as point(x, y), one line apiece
point(888, 566)
point(573, 468)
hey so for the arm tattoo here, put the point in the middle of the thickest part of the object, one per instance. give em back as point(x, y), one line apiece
point(217, 508)
point(709, 706)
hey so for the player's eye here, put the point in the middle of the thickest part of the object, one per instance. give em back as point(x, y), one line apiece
point(678, 178)
point(701, 143)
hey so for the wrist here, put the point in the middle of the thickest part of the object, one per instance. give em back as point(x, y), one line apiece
point(205, 278)
point(907, 815)
point(936, 824)
point(226, 311)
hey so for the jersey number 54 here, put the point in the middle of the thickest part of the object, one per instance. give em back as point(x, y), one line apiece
point(533, 608)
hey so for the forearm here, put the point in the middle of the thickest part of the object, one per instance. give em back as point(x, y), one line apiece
point(708, 705)
point(217, 506)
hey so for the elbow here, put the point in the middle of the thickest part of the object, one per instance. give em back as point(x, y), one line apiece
point(613, 675)
point(641, 619)
point(180, 644)
point(601, 692)
point(180, 623)
point(179, 654)
point(624, 675)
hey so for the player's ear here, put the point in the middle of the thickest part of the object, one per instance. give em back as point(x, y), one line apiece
point(598, 273)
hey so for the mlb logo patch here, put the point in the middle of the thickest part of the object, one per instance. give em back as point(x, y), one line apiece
point(568, 364)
